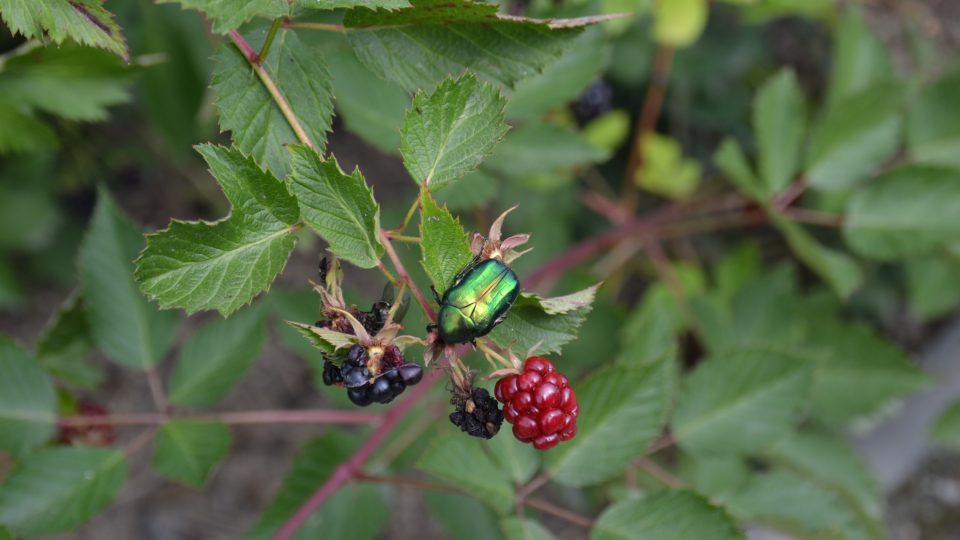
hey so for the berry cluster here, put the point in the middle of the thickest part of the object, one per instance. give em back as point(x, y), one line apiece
point(539, 403)
point(478, 415)
point(372, 375)
point(593, 102)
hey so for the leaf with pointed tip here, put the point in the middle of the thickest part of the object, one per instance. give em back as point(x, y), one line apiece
point(21, 131)
point(622, 410)
point(84, 21)
point(447, 134)
point(130, 330)
point(484, 479)
point(418, 46)
point(838, 269)
point(339, 207)
point(223, 265)
point(188, 452)
point(445, 246)
point(779, 122)
point(216, 357)
point(65, 343)
point(524, 529)
point(323, 338)
point(230, 14)
point(668, 515)
point(57, 489)
point(249, 111)
point(554, 321)
point(27, 400)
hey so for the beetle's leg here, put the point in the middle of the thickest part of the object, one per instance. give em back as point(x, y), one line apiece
point(431, 327)
point(436, 295)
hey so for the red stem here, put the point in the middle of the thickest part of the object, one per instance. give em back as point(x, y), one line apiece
point(405, 277)
point(351, 467)
point(244, 46)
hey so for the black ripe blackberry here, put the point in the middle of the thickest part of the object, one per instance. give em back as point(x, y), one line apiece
point(331, 374)
point(377, 375)
point(593, 102)
point(479, 415)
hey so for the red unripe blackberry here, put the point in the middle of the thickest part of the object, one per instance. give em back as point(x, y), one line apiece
point(540, 404)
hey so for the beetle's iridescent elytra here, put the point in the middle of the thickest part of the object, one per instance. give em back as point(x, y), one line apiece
point(479, 300)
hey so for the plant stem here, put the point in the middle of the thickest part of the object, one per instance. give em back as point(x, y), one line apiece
point(265, 50)
point(661, 474)
point(156, 390)
point(520, 497)
point(402, 238)
point(386, 272)
point(317, 26)
point(272, 88)
point(407, 217)
point(405, 277)
point(647, 122)
point(352, 466)
point(562, 513)
point(814, 217)
point(316, 416)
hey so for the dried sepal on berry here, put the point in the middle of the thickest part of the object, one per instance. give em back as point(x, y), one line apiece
point(492, 247)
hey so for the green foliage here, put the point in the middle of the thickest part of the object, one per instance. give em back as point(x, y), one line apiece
point(665, 171)
point(779, 122)
point(680, 22)
point(66, 486)
point(356, 511)
point(762, 393)
point(484, 478)
point(933, 116)
point(446, 248)
point(448, 133)
point(908, 211)
point(554, 321)
point(27, 400)
point(542, 148)
point(223, 265)
point(622, 411)
point(947, 427)
point(462, 517)
point(65, 343)
point(252, 115)
point(229, 14)
point(84, 21)
point(524, 529)
point(125, 326)
point(932, 285)
point(402, 45)
point(216, 357)
point(669, 515)
point(188, 452)
point(340, 208)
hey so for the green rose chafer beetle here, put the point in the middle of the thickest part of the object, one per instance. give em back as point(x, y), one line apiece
point(483, 292)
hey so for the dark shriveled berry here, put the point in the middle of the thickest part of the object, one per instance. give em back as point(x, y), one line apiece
point(331, 374)
point(593, 102)
point(478, 416)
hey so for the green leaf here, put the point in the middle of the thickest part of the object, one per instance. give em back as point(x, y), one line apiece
point(130, 330)
point(339, 207)
point(740, 401)
point(519, 459)
point(933, 122)
point(910, 210)
point(476, 190)
point(448, 133)
point(828, 461)
point(946, 430)
point(779, 124)
point(223, 265)
point(57, 489)
point(622, 410)
point(188, 452)
point(679, 23)
point(334, 4)
point(609, 131)
point(854, 356)
point(84, 21)
point(664, 170)
point(794, 505)
point(27, 400)
point(463, 517)
point(853, 138)
point(230, 14)
point(417, 47)
point(446, 248)
point(216, 357)
point(65, 344)
point(542, 148)
point(248, 110)
point(563, 80)
point(932, 285)
point(72, 82)
point(356, 511)
point(651, 332)
point(22, 132)
point(524, 529)
point(732, 162)
point(859, 59)
point(668, 515)
point(370, 106)
point(484, 479)
point(552, 320)
point(839, 270)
